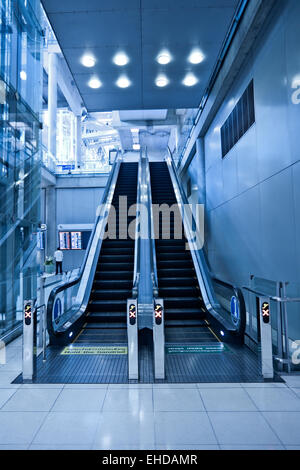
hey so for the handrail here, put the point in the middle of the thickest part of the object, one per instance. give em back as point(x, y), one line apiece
point(100, 223)
point(153, 264)
point(137, 244)
point(203, 275)
point(272, 297)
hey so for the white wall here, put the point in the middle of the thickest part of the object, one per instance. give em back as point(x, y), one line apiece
point(253, 194)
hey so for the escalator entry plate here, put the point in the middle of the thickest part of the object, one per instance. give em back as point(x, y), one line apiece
point(197, 348)
point(94, 350)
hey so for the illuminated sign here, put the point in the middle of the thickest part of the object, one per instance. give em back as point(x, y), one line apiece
point(158, 314)
point(235, 310)
point(132, 314)
point(265, 310)
point(27, 312)
point(76, 241)
point(64, 240)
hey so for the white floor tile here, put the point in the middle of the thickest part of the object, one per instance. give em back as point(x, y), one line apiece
point(177, 400)
point(5, 394)
point(42, 386)
point(86, 386)
point(65, 429)
point(31, 400)
point(227, 399)
point(183, 428)
point(129, 386)
point(80, 400)
point(274, 399)
point(242, 428)
point(264, 385)
point(117, 430)
point(218, 385)
point(190, 447)
point(19, 428)
point(292, 380)
point(132, 400)
point(13, 447)
point(286, 425)
point(172, 386)
point(59, 447)
point(256, 447)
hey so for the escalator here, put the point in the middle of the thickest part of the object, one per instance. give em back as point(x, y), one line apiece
point(112, 286)
point(185, 314)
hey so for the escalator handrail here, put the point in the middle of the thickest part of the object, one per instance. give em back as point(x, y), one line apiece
point(137, 244)
point(79, 310)
point(209, 298)
point(153, 264)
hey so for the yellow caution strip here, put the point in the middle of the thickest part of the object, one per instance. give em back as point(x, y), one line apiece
point(86, 350)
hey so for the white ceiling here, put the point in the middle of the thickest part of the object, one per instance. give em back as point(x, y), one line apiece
point(141, 28)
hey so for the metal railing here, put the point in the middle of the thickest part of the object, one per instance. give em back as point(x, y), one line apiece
point(281, 300)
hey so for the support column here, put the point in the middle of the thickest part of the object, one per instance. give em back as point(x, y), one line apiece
point(78, 138)
point(201, 180)
point(52, 102)
point(51, 243)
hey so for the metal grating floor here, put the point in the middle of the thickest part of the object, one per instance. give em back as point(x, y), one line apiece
point(235, 364)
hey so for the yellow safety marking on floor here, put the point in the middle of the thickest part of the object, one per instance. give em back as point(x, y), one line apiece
point(85, 350)
point(212, 331)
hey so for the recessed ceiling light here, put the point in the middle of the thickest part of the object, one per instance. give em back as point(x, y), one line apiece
point(123, 82)
point(196, 57)
point(88, 60)
point(95, 83)
point(190, 79)
point(121, 59)
point(164, 57)
point(23, 75)
point(136, 146)
point(161, 80)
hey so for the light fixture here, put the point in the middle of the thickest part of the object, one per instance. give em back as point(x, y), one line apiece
point(190, 79)
point(121, 59)
point(222, 333)
point(161, 80)
point(88, 60)
point(135, 129)
point(23, 75)
point(94, 83)
point(123, 82)
point(196, 56)
point(136, 146)
point(164, 57)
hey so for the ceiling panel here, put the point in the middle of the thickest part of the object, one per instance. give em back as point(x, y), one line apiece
point(141, 29)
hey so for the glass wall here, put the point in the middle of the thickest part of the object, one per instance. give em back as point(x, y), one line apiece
point(20, 101)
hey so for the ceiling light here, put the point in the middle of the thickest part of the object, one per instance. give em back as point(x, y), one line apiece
point(136, 146)
point(88, 60)
point(121, 59)
point(135, 130)
point(196, 57)
point(164, 57)
point(23, 75)
point(190, 79)
point(95, 83)
point(123, 82)
point(161, 80)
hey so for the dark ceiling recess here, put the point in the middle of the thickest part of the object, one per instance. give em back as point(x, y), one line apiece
point(142, 29)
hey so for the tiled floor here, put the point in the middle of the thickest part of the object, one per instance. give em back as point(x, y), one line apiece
point(159, 416)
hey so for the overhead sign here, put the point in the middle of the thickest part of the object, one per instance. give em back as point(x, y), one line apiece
point(87, 350)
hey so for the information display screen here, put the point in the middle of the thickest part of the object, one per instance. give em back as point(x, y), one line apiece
point(76, 241)
point(64, 240)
